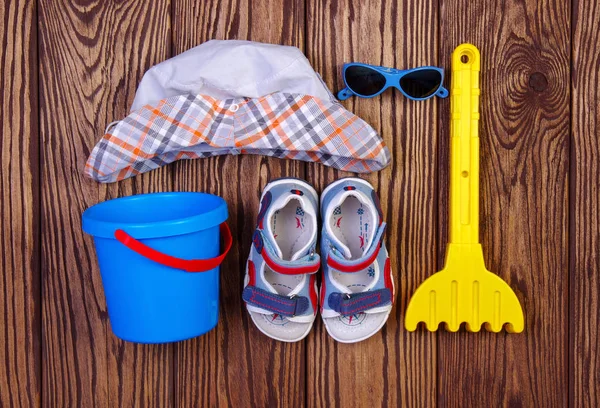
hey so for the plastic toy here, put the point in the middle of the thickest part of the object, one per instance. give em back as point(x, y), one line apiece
point(464, 291)
point(159, 257)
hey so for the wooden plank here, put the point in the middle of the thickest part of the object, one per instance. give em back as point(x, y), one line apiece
point(584, 210)
point(20, 302)
point(92, 59)
point(524, 133)
point(393, 368)
point(235, 364)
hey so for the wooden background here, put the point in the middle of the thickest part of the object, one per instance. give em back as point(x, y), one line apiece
point(69, 68)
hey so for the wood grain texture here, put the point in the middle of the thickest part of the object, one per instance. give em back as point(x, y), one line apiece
point(92, 56)
point(393, 368)
point(235, 364)
point(69, 68)
point(584, 209)
point(20, 301)
point(524, 133)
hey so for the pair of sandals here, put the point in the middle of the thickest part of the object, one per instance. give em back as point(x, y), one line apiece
point(357, 286)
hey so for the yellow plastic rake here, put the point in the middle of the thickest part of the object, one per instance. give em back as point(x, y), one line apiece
point(465, 291)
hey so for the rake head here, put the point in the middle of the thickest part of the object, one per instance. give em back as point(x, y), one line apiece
point(465, 292)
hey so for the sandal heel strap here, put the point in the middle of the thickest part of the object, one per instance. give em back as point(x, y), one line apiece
point(308, 264)
point(341, 264)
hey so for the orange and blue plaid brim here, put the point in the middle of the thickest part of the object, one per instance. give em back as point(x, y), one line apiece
point(283, 125)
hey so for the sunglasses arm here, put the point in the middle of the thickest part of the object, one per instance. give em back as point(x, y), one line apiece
point(345, 94)
point(442, 92)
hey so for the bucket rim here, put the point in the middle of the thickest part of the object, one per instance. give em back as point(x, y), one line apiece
point(156, 229)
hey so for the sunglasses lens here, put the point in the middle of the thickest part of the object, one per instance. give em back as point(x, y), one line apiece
point(363, 80)
point(422, 83)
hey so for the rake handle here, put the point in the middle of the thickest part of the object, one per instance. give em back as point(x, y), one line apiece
point(464, 146)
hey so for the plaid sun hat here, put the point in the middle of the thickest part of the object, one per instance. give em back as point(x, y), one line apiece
point(235, 97)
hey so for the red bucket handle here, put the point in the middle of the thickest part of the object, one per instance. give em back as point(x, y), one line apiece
point(193, 265)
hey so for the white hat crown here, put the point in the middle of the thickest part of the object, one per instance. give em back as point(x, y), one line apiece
point(231, 69)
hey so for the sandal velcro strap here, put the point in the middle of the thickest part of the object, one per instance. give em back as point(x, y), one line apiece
point(339, 263)
point(348, 304)
point(310, 263)
point(282, 305)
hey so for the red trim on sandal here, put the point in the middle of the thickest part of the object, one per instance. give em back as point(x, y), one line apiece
point(313, 292)
point(322, 294)
point(251, 273)
point(387, 278)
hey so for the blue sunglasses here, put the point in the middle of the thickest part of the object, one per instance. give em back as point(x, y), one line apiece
point(367, 81)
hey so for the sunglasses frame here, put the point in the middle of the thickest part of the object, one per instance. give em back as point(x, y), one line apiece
point(392, 79)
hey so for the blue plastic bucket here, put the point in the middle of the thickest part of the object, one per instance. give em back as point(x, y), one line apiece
point(159, 257)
